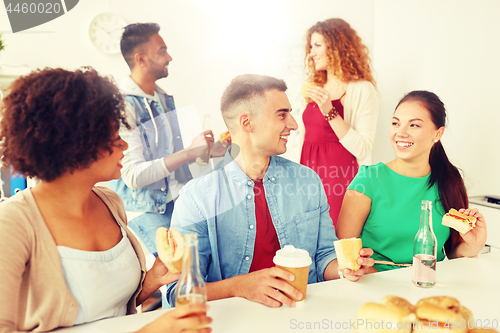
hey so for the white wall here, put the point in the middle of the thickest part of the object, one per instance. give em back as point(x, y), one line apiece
point(450, 47)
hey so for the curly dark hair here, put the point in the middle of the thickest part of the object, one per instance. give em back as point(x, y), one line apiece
point(54, 121)
point(348, 57)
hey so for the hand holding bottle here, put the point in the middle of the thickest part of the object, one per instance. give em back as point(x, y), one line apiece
point(181, 319)
point(191, 288)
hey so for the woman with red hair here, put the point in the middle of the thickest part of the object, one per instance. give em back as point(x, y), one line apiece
point(341, 115)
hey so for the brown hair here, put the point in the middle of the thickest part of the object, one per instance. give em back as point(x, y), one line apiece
point(348, 57)
point(451, 187)
point(242, 94)
point(55, 120)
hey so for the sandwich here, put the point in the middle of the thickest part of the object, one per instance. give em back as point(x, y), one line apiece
point(225, 137)
point(458, 221)
point(431, 314)
point(433, 318)
point(441, 314)
point(348, 253)
point(170, 247)
point(395, 315)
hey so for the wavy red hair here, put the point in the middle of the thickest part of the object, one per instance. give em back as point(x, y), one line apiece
point(348, 57)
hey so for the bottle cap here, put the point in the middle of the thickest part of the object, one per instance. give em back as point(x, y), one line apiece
point(289, 256)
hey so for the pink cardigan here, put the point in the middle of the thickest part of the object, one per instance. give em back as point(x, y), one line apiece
point(33, 293)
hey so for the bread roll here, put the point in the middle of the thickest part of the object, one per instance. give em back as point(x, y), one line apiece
point(398, 302)
point(381, 318)
point(348, 253)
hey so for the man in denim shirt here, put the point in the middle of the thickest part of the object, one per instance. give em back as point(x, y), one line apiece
point(240, 227)
point(155, 164)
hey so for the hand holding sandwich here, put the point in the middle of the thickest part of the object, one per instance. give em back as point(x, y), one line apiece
point(474, 239)
point(167, 267)
point(352, 264)
point(156, 277)
point(366, 266)
point(352, 260)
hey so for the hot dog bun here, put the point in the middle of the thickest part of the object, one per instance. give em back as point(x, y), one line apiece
point(170, 247)
point(458, 221)
point(348, 253)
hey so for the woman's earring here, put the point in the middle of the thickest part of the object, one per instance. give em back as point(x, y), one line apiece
point(436, 140)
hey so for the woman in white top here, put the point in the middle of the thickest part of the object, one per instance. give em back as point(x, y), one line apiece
point(67, 255)
point(341, 115)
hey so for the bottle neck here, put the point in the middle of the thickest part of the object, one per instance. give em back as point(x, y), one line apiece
point(190, 262)
point(426, 216)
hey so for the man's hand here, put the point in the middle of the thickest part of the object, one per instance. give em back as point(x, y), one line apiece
point(366, 264)
point(219, 149)
point(201, 143)
point(268, 286)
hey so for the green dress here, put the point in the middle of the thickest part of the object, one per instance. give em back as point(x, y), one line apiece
point(394, 217)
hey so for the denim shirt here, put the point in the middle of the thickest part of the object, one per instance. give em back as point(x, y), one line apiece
point(220, 208)
point(155, 137)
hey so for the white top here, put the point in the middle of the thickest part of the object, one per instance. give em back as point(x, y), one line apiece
point(102, 282)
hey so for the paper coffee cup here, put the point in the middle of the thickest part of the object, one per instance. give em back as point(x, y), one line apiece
point(297, 262)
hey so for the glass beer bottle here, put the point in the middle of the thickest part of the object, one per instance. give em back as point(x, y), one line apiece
point(425, 250)
point(191, 287)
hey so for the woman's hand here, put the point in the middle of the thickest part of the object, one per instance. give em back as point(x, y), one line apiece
point(160, 273)
point(321, 97)
point(366, 266)
point(475, 239)
point(181, 319)
point(156, 277)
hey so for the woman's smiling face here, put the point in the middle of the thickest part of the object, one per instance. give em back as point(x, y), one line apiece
point(413, 133)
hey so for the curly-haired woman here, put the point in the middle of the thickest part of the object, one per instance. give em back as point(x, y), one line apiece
point(341, 115)
point(67, 255)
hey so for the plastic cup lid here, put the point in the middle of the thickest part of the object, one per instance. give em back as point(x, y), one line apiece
point(289, 256)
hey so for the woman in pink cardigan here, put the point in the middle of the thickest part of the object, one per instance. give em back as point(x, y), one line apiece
point(67, 255)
